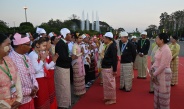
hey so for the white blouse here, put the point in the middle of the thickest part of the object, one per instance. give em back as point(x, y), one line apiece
point(38, 67)
point(50, 66)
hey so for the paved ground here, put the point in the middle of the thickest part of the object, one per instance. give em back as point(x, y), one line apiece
point(75, 99)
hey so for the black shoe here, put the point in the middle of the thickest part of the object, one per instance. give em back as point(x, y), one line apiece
point(127, 90)
point(151, 91)
point(172, 84)
point(139, 77)
point(89, 83)
point(87, 86)
point(122, 88)
point(143, 77)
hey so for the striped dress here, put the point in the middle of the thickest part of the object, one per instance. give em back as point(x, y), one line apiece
point(175, 49)
point(163, 76)
point(78, 72)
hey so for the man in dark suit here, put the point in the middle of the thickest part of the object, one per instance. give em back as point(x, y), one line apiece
point(62, 71)
point(142, 49)
point(128, 54)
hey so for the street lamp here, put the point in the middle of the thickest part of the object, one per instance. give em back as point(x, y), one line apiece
point(14, 26)
point(25, 12)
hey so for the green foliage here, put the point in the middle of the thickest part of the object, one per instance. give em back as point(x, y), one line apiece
point(52, 26)
point(152, 31)
point(13, 30)
point(73, 23)
point(26, 24)
point(68, 24)
point(173, 23)
point(3, 27)
point(104, 27)
point(77, 22)
point(26, 27)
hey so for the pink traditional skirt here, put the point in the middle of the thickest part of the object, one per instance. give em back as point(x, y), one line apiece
point(78, 81)
point(162, 99)
point(109, 84)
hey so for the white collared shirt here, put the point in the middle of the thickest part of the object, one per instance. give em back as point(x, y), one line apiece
point(126, 42)
point(64, 40)
point(70, 46)
point(123, 47)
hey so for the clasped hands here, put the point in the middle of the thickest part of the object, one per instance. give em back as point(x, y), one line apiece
point(153, 78)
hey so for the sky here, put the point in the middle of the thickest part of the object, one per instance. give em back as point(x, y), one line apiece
point(128, 14)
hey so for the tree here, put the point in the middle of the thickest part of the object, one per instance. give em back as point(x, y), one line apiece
point(73, 16)
point(178, 26)
point(55, 23)
point(172, 24)
point(73, 23)
point(68, 24)
point(104, 27)
point(152, 31)
point(3, 27)
point(121, 29)
point(52, 26)
point(13, 30)
point(26, 24)
point(26, 27)
point(76, 22)
point(164, 21)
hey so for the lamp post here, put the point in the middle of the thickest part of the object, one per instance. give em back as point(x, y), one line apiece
point(14, 26)
point(25, 8)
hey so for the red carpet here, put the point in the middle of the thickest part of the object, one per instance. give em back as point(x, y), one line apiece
point(138, 98)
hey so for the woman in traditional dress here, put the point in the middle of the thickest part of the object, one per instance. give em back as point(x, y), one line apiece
point(50, 66)
point(175, 50)
point(96, 45)
point(161, 73)
point(38, 56)
point(78, 67)
point(109, 69)
point(10, 84)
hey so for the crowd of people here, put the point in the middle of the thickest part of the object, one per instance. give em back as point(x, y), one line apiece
point(36, 71)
